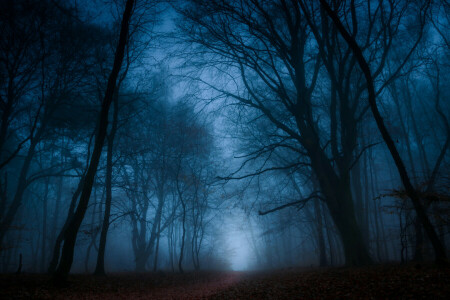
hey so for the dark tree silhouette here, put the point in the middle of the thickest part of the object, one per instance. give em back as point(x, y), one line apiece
point(71, 232)
point(438, 247)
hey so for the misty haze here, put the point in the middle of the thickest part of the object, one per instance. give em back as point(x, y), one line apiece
point(221, 149)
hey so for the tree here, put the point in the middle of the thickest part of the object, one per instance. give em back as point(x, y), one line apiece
point(410, 190)
point(43, 81)
point(72, 230)
point(264, 49)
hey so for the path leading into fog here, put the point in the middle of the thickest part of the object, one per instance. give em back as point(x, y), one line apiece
point(375, 282)
point(203, 289)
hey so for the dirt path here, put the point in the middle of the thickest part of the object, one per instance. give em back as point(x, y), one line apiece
point(200, 290)
point(130, 286)
point(376, 282)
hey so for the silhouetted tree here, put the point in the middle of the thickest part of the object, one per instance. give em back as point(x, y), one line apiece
point(72, 229)
point(410, 190)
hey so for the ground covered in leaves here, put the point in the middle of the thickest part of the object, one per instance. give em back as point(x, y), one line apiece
point(378, 282)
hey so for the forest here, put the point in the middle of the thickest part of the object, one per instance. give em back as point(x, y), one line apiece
point(224, 149)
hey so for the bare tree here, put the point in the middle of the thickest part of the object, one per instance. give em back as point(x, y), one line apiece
point(65, 263)
point(264, 50)
point(410, 190)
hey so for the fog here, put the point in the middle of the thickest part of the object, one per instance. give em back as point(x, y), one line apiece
point(173, 136)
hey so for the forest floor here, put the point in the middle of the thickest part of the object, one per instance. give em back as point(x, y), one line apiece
point(376, 282)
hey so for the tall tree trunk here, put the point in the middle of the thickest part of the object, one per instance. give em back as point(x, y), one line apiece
point(404, 131)
point(338, 198)
point(100, 267)
point(44, 226)
point(145, 249)
point(381, 232)
point(419, 242)
point(34, 249)
point(139, 237)
point(155, 261)
point(56, 212)
point(418, 138)
point(327, 229)
point(322, 251)
point(359, 200)
point(59, 239)
point(93, 233)
point(374, 209)
point(366, 198)
point(141, 258)
point(439, 249)
point(343, 215)
point(183, 236)
point(72, 230)
point(170, 245)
